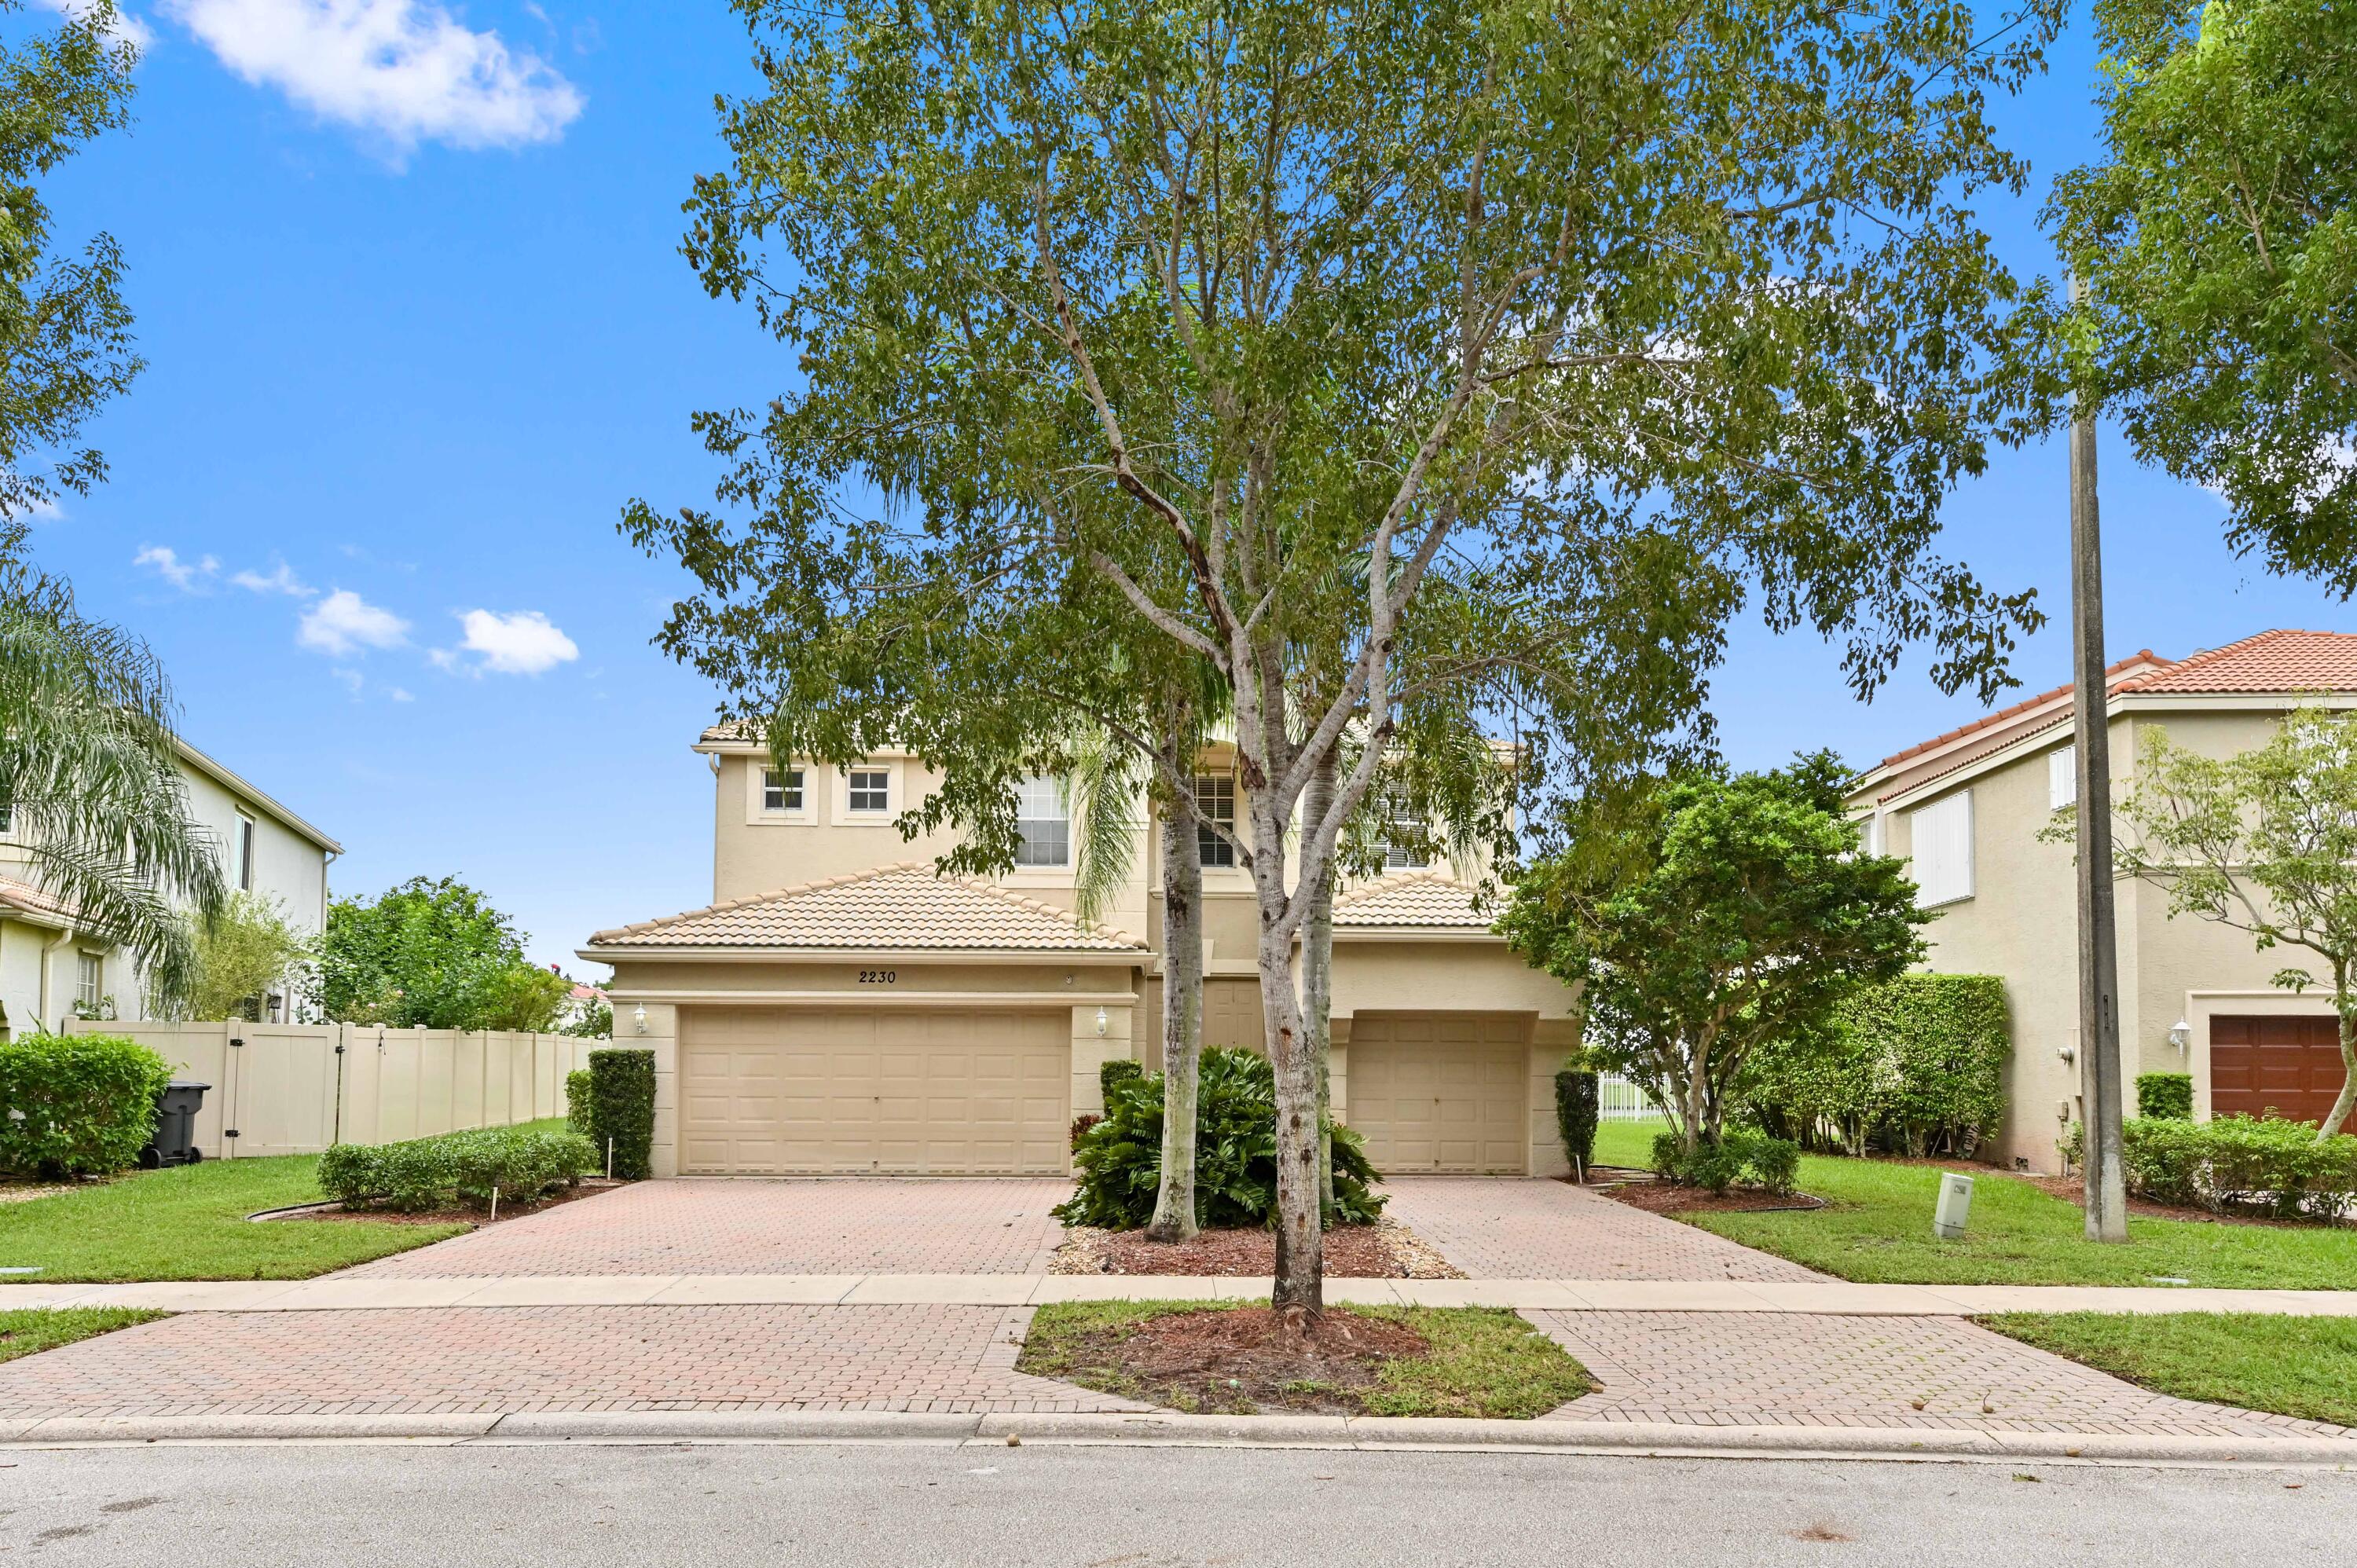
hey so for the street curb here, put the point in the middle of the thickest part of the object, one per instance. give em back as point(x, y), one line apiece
point(1160, 1429)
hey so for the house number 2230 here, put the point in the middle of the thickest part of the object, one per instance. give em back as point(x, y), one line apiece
point(879, 977)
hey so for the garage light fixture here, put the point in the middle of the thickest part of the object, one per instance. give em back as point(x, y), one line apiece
point(1101, 1022)
point(2180, 1033)
point(639, 1017)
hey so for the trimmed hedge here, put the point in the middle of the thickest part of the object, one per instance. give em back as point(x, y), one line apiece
point(77, 1104)
point(523, 1163)
point(1119, 1070)
point(2165, 1096)
point(1576, 1102)
point(576, 1100)
point(1120, 1158)
point(1753, 1159)
point(2238, 1163)
point(1915, 1065)
point(622, 1109)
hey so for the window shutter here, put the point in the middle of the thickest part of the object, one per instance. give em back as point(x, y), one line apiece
point(2063, 778)
point(1943, 836)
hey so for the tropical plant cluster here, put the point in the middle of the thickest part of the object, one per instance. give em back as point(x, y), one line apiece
point(77, 1104)
point(1119, 1159)
point(523, 1165)
point(1741, 1158)
point(1912, 1065)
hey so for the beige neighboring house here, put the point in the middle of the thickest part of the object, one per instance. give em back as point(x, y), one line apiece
point(1966, 809)
point(838, 1008)
point(50, 966)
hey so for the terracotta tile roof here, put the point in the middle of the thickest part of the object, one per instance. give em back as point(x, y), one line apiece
point(2281, 660)
point(23, 896)
point(2119, 675)
point(893, 907)
point(1431, 899)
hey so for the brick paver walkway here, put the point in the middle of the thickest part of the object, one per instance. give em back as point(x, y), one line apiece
point(1713, 1369)
point(712, 1227)
point(947, 1359)
point(1512, 1228)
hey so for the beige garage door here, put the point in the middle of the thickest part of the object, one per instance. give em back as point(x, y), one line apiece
point(1440, 1091)
point(772, 1091)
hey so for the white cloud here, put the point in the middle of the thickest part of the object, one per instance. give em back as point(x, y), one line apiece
point(406, 70)
point(125, 27)
point(344, 623)
point(281, 581)
point(185, 575)
point(524, 643)
point(399, 695)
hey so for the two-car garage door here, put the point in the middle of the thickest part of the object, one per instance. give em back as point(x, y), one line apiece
point(768, 1090)
point(1441, 1091)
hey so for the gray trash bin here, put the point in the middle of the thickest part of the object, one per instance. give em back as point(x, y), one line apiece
point(174, 1142)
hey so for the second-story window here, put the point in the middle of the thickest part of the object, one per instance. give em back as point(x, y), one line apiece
point(245, 851)
point(1404, 842)
point(870, 791)
point(1215, 801)
point(781, 788)
point(1044, 823)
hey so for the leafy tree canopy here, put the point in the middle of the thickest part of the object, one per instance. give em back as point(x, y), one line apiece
point(243, 954)
point(1722, 912)
point(432, 954)
point(2218, 239)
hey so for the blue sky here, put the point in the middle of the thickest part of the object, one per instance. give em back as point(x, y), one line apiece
point(416, 327)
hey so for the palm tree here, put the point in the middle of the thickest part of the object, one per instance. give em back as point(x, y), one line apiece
point(89, 777)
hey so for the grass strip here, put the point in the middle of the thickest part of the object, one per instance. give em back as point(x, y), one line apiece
point(28, 1329)
point(2303, 1367)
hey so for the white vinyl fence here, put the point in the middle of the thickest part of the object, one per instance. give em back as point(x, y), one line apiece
point(1618, 1100)
point(294, 1088)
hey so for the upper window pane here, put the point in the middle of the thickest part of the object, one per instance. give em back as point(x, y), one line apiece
point(245, 853)
point(2063, 778)
point(871, 790)
point(89, 979)
point(1215, 800)
point(781, 789)
point(1940, 837)
point(1043, 823)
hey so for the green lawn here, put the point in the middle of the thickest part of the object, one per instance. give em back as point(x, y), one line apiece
point(1877, 1227)
point(25, 1330)
point(2304, 1367)
point(1483, 1361)
point(189, 1223)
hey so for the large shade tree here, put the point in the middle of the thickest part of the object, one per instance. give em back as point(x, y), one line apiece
point(1555, 328)
point(2218, 238)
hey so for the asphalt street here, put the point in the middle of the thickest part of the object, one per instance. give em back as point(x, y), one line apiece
point(489, 1506)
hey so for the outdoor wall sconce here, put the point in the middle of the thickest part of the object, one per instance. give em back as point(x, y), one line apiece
point(1101, 1022)
point(2180, 1033)
point(639, 1017)
point(2068, 1052)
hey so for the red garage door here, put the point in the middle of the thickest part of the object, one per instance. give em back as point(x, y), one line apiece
point(2280, 1067)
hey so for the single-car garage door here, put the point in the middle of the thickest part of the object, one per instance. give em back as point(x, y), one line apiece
point(1440, 1091)
point(2286, 1067)
point(773, 1092)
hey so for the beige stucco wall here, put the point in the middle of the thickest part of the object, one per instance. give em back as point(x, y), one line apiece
point(2021, 924)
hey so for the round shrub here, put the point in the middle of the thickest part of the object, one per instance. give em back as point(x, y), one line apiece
point(1120, 1158)
point(2165, 1096)
point(77, 1104)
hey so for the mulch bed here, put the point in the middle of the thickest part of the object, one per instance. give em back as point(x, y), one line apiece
point(459, 1214)
point(1380, 1252)
point(1244, 1360)
point(1659, 1197)
point(2073, 1191)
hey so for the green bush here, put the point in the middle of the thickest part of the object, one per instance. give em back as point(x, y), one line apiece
point(2165, 1096)
point(1755, 1159)
point(576, 1100)
point(522, 1163)
point(2237, 1163)
point(1915, 1065)
point(622, 1109)
point(1120, 1158)
point(77, 1104)
point(1120, 1069)
point(1576, 1100)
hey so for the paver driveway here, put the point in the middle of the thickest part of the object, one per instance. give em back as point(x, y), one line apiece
point(1512, 1228)
point(711, 1226)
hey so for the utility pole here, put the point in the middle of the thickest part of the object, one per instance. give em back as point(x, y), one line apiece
point(2099, 969)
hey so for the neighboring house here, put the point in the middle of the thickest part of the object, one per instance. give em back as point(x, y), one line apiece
point(839, 1008)
point(51, 969)
point(1967, 807)
point(580, 1004)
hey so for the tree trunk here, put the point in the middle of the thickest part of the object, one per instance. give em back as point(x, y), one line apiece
point(1317, 988)
point(1300, 1232)
point(1182, 1022)
point(2345, 1006)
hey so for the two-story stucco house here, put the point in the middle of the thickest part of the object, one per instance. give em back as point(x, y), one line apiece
point(50, 967)
point(839, 1008)
point(1966, 809)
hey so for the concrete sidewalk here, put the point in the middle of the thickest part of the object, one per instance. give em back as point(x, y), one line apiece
point(347, 1292)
